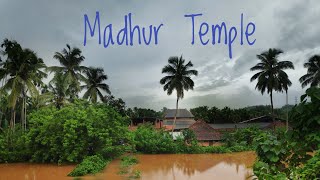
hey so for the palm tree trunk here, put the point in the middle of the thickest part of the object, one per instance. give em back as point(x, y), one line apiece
point(0, 118)
point(175, 116)
point(14, 118)
point(272, 112)
point(287, 122)
point(24, 113)
point(11, 119)
point(1, 110)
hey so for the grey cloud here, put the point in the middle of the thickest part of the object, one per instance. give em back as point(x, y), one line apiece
point(300, 22)
point(213, 85)
point(134, 72)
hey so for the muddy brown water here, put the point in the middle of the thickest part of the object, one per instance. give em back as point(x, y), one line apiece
point(152, 167)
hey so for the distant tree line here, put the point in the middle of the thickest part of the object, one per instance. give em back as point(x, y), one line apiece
point(143, 112)
point(228, 115)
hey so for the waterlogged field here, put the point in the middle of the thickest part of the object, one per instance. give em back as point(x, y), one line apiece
point(152, 167)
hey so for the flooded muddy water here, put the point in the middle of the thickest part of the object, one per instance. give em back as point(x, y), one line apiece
point(152, 167)
point(26, 171)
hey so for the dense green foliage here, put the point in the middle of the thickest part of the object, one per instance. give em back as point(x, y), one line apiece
point(188, 136)
point(13, 146)
point(143, 112)
point(116, 103)
point(149, 140)
point(75, 131)
point(228, 115)
point(287, 155)
point(22, 73)
point(90, 165)
point(242, 137)
point(311, 168)
point(126, 163)
point(94, 84)
point(63, 129)
point(70, 59)
point(67, 135)
point(312, 77)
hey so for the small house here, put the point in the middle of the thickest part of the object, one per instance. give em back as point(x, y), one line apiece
point(204, 133)
point(184, 119)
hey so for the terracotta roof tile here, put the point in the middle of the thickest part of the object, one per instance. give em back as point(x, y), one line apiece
point(204, 131)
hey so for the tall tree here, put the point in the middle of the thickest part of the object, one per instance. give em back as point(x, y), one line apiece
point(58, 87)
point(22, 72)
point(271, 76)
point(94, 84)
point(313, 75)
point(70, 60)
point(116, 103)
point(178, 78)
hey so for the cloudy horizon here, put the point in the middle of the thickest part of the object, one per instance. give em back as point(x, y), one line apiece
point(134, 72)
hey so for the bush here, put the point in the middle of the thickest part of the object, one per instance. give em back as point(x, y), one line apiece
point(125, 167)
point(311, 169)
point(242, 137)
point(90, 165)
point(13, 147)
point(129, 161)
point(285, 155)
point(216, 149)
point(75, 131)
point(149, 140)
point(272, 154)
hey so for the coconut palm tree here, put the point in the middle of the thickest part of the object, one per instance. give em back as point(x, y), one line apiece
point(58, 87)
point(178, 78)
point(313, 75)
point(22, 72)
point(271, 76)
point(94, 84)
point(70, 60)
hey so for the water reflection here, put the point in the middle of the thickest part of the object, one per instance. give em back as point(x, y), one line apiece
point(26, 171)
point(153, 167)
point(195, 166)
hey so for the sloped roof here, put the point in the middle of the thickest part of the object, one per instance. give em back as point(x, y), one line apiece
point(180, 124)
point(239, 125)
point(265, 118)
point(182, 113)
point(204, 131)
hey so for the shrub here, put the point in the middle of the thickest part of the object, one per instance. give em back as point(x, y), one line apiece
point(216, 149)
point(285, 154)
point(188, 136)
point(149, 140)
point(75, 131)
point(90, 165)
point(243, 137)
point(136, 175)
point(129, 161)
point(272, 151)
point(13, 147)
point(125, 165)
point(311, 169)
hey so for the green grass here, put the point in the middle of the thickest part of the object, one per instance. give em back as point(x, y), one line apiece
point(125, 167)
point(90, 165)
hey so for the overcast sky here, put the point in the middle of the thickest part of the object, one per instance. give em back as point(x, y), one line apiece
point(134, 71)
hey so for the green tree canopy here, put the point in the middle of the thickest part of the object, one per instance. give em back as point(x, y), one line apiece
point(313, 75)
